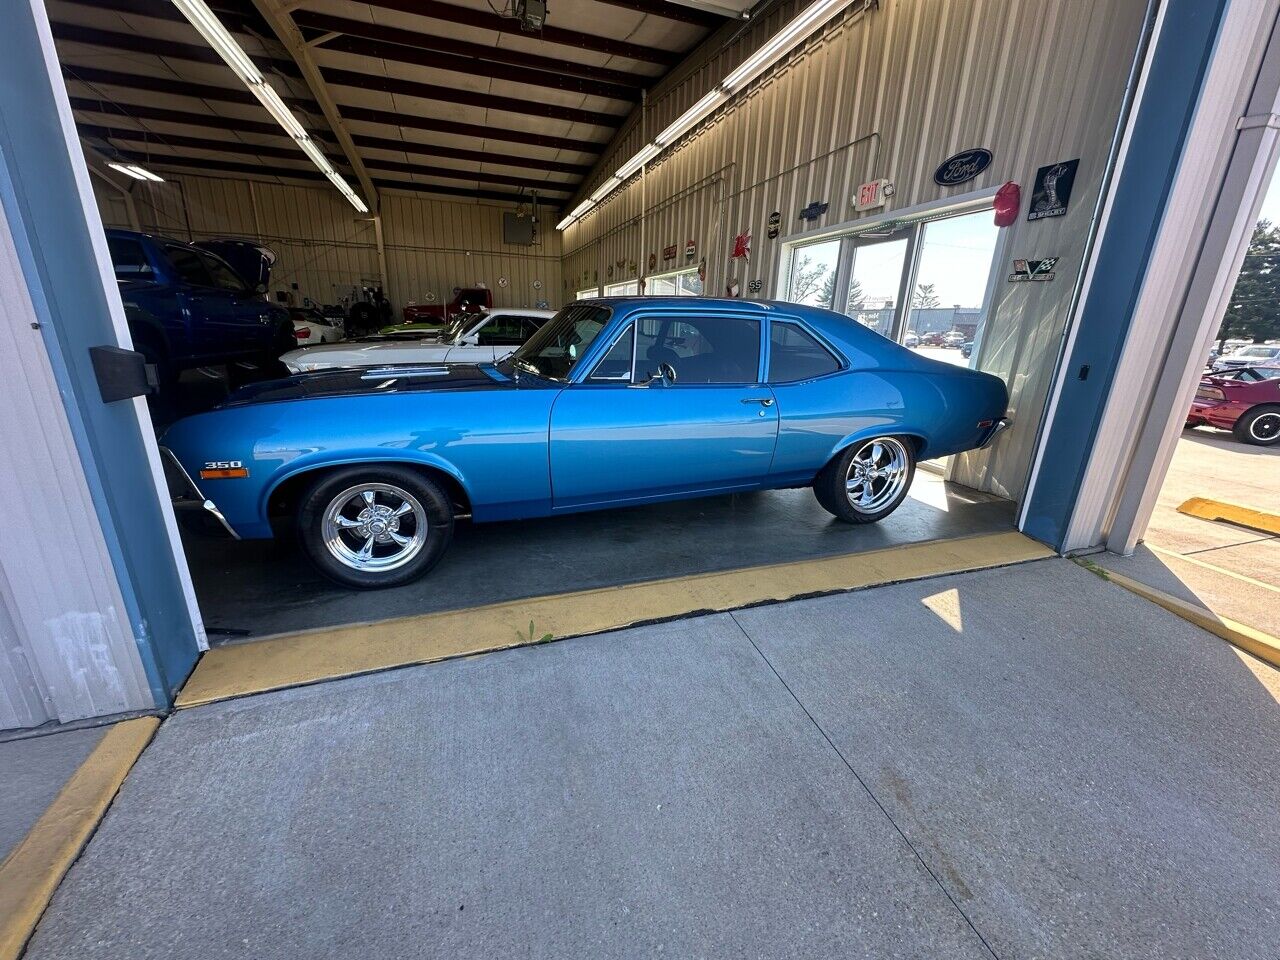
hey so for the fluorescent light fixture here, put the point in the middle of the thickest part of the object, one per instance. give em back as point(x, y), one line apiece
point(605, 189)
point(781, 43)
point(211, 28)
point(564, 223)
point(127, 170)
point(581, 208)
point(145, 173)
point(647, 153)
point(691, 116)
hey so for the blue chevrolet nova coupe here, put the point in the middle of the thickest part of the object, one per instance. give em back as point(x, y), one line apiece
point(613, 402)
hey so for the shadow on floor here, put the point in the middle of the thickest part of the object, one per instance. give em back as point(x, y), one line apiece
point(256, 588)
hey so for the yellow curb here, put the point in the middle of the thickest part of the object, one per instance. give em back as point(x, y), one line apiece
point(33, 870)
point(1261, 645)
point(294, 659)
point(1240, 516)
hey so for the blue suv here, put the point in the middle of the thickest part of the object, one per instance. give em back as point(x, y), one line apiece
point(187, 307)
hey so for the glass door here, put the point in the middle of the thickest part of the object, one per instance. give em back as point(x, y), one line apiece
point(949, 289)
point(874, 290)
point(813, 273)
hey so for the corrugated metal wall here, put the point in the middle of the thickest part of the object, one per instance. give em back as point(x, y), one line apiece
point(329, 251)
point(887, 92)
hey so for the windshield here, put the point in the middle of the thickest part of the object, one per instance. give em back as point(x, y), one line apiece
point(1258, 352)
point(557, 346)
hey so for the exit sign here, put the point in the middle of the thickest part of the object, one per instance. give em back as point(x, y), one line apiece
point(872, 195)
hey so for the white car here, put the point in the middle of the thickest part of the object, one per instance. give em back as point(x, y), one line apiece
point(488, 338)
point(311, 326)
point(1256, 355)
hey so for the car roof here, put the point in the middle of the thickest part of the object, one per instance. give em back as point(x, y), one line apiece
point(520, 312)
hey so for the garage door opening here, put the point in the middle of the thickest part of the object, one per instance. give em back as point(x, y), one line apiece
point(926, 282)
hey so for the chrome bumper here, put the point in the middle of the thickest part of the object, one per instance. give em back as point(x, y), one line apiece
point(186, 496)
point(1003, 424)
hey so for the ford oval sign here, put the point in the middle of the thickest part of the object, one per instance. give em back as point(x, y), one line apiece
point(962, 168)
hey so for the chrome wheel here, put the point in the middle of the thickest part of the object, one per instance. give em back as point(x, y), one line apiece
point(374, 527)
point(1265, 427)
point(877, 474)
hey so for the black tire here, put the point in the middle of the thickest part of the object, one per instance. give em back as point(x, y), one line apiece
point(1259, 426)
point(832, 484)
point(331, 544)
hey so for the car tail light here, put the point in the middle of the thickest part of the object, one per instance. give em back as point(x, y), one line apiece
point(302, 333)
point(1210, 393)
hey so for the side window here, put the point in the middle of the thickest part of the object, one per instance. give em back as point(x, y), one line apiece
point(795, 355)
point(223, 276)
point(189, 266)
point(129, 259)
point(699, 349)
point(615, 366)
point(502, 331)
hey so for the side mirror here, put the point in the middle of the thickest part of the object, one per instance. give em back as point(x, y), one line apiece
point(665, 374)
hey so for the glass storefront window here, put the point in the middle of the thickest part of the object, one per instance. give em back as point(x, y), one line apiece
point(813, 274)
point(874, 282)
point(630, 288)
point(950, 286)
point(681, 283)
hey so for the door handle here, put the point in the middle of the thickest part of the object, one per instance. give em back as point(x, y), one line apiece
point(763, 401)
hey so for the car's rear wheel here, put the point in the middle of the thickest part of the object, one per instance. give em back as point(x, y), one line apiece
point(868, 480)
point(1259, 426)
point(373, 527)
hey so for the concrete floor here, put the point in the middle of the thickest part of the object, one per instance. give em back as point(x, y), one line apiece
point(32, 771)
point(256, 588)
point(1020, 763)
point(1212, 464)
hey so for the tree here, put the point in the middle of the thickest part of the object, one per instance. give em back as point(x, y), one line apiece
point(925, 297)
point(827, 292)
point(1254, 310)
point(807, 280)
point(856, 298)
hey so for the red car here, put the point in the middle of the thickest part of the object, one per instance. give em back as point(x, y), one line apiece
point(1245, 401)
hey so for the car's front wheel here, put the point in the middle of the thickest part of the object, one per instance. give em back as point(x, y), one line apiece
point(1259, 426)
point(868, 480)
point(373, 527)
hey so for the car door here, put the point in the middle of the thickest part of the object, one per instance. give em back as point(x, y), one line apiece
point(628, 433)
point(209, 310)
point(249, 325)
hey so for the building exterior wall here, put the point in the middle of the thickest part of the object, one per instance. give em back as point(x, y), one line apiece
point(330, 251)
point(887, 91)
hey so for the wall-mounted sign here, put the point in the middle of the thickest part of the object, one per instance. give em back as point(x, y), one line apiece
point(542, 305)
point(429, 296)
point(1052, 190)
point(755, 286)
point(653, 260)
point(631, 267)
point(690, 249)
point(814, 210)
point(962, 167)
point(872, 194)
point(702, 268)
point(669, 253)
point(622, 264)
point(503, 281)
point(1033, 269)
point(731, 288)
point(537, 284)
point(742, 246)
point(775, 224)
point(610, 271)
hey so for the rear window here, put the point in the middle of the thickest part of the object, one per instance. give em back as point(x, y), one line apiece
point(795, 355)
point(129, 259)
point(189, 266)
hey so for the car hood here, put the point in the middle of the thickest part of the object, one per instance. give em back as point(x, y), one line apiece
point(371, 380)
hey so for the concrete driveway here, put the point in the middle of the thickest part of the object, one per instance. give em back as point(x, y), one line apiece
point(1021, 763)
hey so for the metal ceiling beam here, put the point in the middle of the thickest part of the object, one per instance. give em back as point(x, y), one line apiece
point(354, 36)
point(136, 43)
point(669, 11)
point(174, 141)
point(210, 121)
point(235, 17)
point(287, 33)
point(451, 13)
point(455, 95)
point(255, 170)
point(94, 76)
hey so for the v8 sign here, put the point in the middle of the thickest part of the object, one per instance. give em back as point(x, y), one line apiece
point(872, 195)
